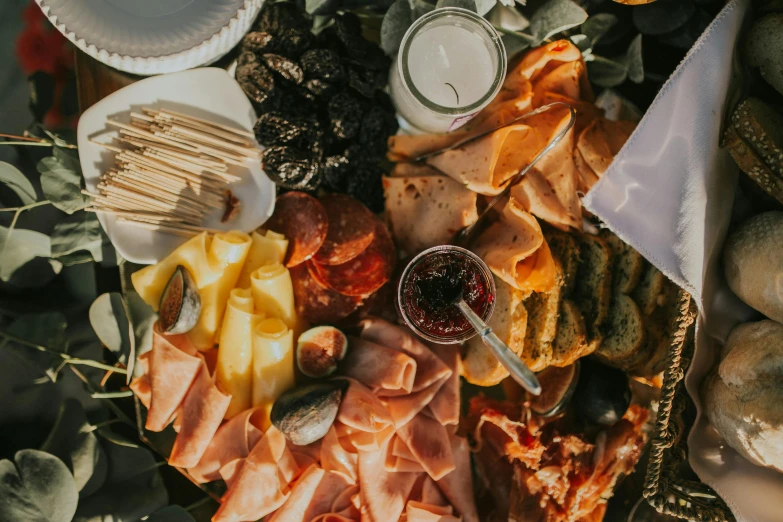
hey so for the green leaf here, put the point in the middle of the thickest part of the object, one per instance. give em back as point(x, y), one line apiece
point(470, 5)
point(395, 22)
point(507, 18)
point(554, 17)
point(514, 43)
point(605, 72)
point(582, 42)
point(171, 514)
point(80, 231)
point(662, 17)
point(320, 7)
point(109, 317)
point(598, 25)
point(61, 182)
point(420, 8)
point(18, 182)
point(47, 329)
point(39, 488)
point(19, 246)
point(617, 107)
point(634, 61)
point(485, 6)
point(72, 441)
point(143, 318)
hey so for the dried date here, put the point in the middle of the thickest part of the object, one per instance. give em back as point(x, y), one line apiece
point(257, 82)
point(257, 42)
point(284, 67)
point(376, 127)
point(276, 128)
point(345, 115)
point(291, 167)
point(281, 16)
point(322, 64)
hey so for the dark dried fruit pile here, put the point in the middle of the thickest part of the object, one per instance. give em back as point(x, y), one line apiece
point(324, 118)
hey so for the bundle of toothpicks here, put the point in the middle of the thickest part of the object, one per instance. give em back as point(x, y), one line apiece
point(171, 170)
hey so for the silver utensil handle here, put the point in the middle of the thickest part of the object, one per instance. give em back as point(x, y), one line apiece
point(510, 361)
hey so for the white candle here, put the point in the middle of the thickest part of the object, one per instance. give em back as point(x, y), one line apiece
point(450, 65)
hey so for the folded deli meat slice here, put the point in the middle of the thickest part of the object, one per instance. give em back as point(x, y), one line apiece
point(379, 367)
point(361, 411)
point(233, 440)
point(444, 406)
point(425, 211)
point(457, 486)
point(172, 369)
point(428, 441)
point(383, 493)
point(515, 250)
point(403, 408)
point(200, 415)
point(339, 456)
point(260, 488)
point(312, 495)
point(485, 164)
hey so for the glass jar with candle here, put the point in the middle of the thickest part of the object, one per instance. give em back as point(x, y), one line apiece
point(451, 64)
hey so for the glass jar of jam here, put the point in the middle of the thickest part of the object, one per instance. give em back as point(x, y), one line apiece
point(430, 287)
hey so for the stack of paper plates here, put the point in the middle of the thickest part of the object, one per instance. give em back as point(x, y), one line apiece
point(153, 36)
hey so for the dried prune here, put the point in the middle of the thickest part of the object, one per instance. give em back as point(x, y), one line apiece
point(366, 185)
point(284, 67)
point(336, 171)
point(322, 64)
point(257, 42)
point(245, 58)
point(366, 81)
point(257, 82)
point(376, 127)
point(316, 88)
point(345, 115)
point(291, 167)
point(276, 128)
point(280, 16)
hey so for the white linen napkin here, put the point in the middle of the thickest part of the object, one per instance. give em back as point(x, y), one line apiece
point(669, 193)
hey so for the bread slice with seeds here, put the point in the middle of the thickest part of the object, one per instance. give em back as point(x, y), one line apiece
point(647, 293)
point(571, 339)
point(565, 249)
point(592, 291)
point(627, 265)
point(625, 337)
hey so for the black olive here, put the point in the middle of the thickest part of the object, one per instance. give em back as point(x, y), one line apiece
point(305, 414)
point(602, 395)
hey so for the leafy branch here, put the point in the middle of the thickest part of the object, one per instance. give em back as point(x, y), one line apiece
point(34, 141)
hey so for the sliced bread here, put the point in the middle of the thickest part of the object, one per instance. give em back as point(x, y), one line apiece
point(565, 249)
point(592, 291)
point(571, 339)
point(648, 292)
point(627, 264)
point(625, 337)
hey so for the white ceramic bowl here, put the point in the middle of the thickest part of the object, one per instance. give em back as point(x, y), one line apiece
point(208, 93)
point(153, 36)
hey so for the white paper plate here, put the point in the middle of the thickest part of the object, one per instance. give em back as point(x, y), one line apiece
point(206, 93)
point(153, 36)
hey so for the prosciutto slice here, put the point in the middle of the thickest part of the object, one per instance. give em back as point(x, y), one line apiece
point(312, 495)
point(233, 440)
point(379, 367)
point(338, 458)
point(260, 488)
point(172, 369)
point(428, 441)
point(200, 415)
point(457, 486)
point(383, 494)
point(444, 406)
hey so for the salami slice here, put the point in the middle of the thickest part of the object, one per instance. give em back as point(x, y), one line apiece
point(351, 230)
point(302, 220)
point(317, 304)
point(364, 274)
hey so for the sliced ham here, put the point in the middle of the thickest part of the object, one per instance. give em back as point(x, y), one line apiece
point(425, 211)
point(229, 471)
point(565, 79)
point(444, 406)
point(379, 367)
point(601, 141)
point(429, 368)
point(233, 440)
point(201, 413)
point(258, 489)
point(403, 408)
point(363, 418)
point(171, 371)
point(141, 386)
point(421, 512)
point(383, 494)
point(485, 164)
point(428, 441)
point(338, 458)
point(457, 486)
point(400, 459)
point(313, 495)
point(539, 59)
point(508, 247)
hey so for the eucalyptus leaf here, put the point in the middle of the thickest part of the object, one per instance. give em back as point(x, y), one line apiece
point(684, 37)
point(554, 17)
point(79, 231)
point(321, 7)
point(605, 72)
point(507, 18)
point(662, 17)
point(420, 8)
point(485, 6)
point(634, 61)
point(19, 246)
point(617, 107)
point(598, 25)
point(45, 329)
point(110, 319)
point(464, 4)
point(395, 22)
point(143, 318)
point(18, 182)
point(39, 488)
point(72, 442)
point(171, 514)
point(61, 182)
point(582, 42)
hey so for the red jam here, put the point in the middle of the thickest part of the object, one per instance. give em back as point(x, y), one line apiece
point(433, 287)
